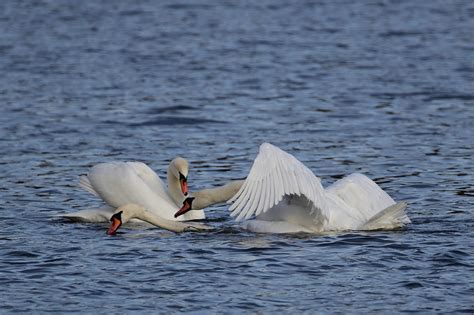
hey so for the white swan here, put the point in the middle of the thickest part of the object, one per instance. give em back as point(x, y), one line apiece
point(132, 211)
point(286, 197)
point(121, 183)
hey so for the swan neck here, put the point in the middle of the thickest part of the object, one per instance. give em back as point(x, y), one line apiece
point(161, 222)
point(211, 196)
point(174, 188)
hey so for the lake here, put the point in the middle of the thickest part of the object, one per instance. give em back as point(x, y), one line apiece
point(385, 88)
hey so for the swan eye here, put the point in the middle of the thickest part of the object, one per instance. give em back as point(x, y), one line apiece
point(182, 177)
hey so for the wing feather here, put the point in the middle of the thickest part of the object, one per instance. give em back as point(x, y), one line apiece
point(263, 196)
point(244, 185)
point(242, 202)
point(276, 174)
point(247, 212)
point(85, 184)
point(242, 191)
point(266, 204)
point(286, 184)
point(294, 183)
point(279, 185)
point(271, 199)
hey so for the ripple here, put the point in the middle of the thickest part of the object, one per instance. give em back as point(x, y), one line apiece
point(171, 109)
point(411, 285)
point(451, 258)
point(89, 82)
point(174, 121)
point(20, 253)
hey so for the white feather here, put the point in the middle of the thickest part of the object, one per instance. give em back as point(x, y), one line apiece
point(285, 195)
point(121, 183)
point(85, 184)
point(275, 174)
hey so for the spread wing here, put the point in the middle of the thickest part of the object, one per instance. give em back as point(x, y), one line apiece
point(276, 174)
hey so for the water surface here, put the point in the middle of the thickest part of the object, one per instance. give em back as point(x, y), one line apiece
point(384, 88)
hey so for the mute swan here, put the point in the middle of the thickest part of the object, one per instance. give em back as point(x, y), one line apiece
point(132, 211)
point(286, 197)
point(120, 183)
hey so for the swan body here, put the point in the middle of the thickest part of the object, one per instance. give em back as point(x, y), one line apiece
point(285, 197)
point(121, 183)
point(128, 212)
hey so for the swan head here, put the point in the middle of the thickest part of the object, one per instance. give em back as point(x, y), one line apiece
point(179, 169)
point(123, 215)
point(187, 206)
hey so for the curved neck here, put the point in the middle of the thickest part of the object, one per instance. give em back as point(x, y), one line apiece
point(174, 188)
point(207, 197)
point(174, 226)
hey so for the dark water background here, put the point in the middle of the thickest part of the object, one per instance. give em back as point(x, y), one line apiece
point(380, 87)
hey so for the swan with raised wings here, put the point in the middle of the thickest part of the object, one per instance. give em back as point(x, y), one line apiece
point(286, 197)
point(121, 183)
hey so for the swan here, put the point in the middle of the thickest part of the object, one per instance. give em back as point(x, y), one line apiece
point(286, 197)
point(121, 183)
point(133, 211)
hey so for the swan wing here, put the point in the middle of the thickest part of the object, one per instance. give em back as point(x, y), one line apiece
point(118, 183)
point(274, 175)
point(361, 193)
point(85, 184)
point(89, 215)
point(150, 178)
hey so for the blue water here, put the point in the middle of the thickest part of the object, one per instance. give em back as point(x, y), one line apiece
point(380, 87)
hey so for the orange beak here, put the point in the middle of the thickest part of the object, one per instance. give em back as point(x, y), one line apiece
point(116, 220)
point(187, 205)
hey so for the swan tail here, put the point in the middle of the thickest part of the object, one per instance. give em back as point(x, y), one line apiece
point(85, 184)
point(390, 218)
point(89, 215)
